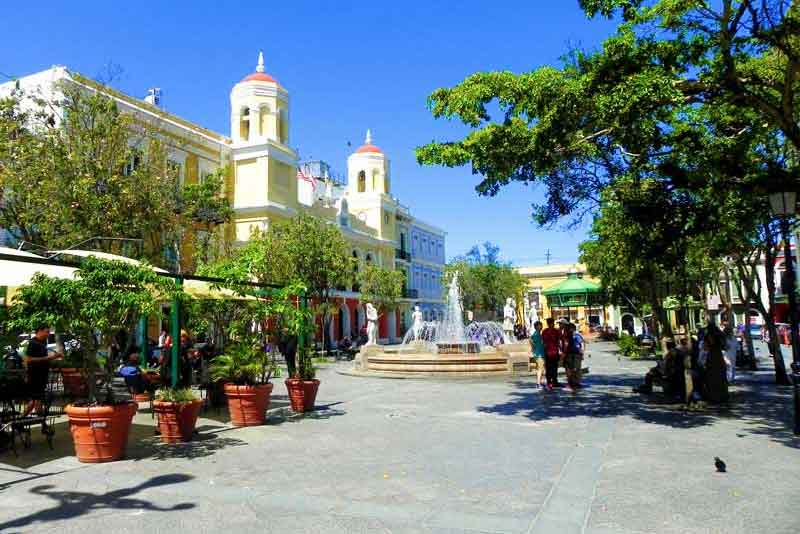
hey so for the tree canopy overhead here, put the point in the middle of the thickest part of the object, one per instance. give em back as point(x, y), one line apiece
point(674, 74)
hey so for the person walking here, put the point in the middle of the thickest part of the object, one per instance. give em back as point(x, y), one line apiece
point(551, 338)
point(537, 348)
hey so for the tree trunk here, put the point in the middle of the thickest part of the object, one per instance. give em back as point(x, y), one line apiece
point(781, 378)
point(59, 343)
point(748, 339)
point(659, 317)
point(745, 291)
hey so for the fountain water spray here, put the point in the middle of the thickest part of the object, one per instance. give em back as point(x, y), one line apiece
point(450, 335)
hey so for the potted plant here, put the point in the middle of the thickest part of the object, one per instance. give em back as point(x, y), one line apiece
point(103, 298)
point(245, 370)
point(303, 387)
point(177, 411)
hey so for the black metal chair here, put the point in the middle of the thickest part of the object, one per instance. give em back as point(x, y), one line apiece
point(13, 421)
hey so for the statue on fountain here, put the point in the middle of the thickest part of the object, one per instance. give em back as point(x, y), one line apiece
point(372, 325)
point(509, 319)
point(417, 325)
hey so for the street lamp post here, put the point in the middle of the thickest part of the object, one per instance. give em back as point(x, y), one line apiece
point(784, 206)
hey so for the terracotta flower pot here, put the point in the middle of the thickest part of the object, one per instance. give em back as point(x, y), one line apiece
point(302, 393)
point(100, 433)
point(74, 382)
point(141, 397)
point(247, 405)
point(176, 420)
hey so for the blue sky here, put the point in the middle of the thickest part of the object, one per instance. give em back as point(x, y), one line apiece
point(348, 66)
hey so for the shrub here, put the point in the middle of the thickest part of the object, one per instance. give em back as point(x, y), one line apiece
point(244, 363)
point(628, 346)
point(175, 395)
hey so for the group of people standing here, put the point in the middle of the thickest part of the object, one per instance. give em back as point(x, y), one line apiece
point(555, 347)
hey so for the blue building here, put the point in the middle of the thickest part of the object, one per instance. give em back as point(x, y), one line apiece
point(422, 256)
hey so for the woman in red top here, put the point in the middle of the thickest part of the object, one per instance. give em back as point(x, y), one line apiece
point(552, 352)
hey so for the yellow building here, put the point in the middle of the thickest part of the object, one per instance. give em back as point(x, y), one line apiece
point(567, 291)
point(263, 181)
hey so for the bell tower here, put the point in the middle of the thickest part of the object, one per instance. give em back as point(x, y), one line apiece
point(369, 189)
point(264, 166)
point(259, 109)
point(368, 170)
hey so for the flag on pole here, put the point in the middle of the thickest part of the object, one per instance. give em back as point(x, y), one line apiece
point(303, 176)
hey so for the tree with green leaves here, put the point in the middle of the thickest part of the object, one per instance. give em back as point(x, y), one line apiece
point(382, 287)
point(201, 213)
point(304, 250)
point(485, 280)
point(77, 168)
point(630, 108)
point(104, 298)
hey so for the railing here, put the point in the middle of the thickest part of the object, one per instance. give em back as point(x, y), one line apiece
point(401, 254)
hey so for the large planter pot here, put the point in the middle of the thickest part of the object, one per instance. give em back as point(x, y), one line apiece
point(247, 405)
point(100, 433)
point(75, 384)
point(302, 393)
point(176, 420)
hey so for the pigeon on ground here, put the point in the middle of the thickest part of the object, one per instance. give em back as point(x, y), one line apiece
point(720, 465)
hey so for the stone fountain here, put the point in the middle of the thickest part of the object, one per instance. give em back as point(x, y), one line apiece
point(448, 347)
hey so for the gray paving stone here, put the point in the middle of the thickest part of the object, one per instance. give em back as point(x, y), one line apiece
point(414, 456)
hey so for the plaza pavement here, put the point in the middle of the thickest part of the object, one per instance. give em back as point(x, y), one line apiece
point(419, 456)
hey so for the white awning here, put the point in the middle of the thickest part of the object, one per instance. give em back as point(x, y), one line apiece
point(99, 255)
point(20, 273)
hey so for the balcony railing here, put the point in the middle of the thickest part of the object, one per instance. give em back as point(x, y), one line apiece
point(401, 254)
point(410, 293)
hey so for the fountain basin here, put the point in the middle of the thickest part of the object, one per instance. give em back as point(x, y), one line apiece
point(469, 347)
point(416, 361)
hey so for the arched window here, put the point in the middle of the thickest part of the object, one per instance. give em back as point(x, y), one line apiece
point(244, 124)
point(362, 181)
point(368, 259)
point(263, 118)
point(375, 179)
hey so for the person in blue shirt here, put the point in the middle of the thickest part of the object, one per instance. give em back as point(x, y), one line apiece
point(537, 347)
point(132, 373)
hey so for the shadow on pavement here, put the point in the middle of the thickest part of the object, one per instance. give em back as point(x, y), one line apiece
point(202, 445)
point(320, 412)
point(760, 406)
point(72, 504)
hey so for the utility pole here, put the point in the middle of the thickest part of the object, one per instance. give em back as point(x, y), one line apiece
point(547, 256)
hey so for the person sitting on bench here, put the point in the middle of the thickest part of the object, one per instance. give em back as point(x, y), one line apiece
point(132, 373)
point(665, 372)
